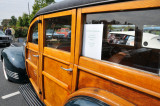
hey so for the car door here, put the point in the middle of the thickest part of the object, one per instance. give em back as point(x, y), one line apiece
point(58, 57)
point(32, 54)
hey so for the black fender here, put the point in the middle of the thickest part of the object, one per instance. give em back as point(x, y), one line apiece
point(15, 62)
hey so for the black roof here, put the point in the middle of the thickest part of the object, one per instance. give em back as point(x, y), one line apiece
point(70, 4)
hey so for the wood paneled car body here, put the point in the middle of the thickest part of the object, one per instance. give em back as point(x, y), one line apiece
point(87, 69)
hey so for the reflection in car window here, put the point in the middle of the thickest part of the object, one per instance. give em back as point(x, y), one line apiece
point(34, 33)
point(57, 33)
point(151, 36)
point(121, 34)
point(130, 38)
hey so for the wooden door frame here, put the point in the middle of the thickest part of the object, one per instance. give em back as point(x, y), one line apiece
point(43, 48)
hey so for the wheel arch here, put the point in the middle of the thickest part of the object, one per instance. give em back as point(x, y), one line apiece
point(99, 94)
point(14, 57)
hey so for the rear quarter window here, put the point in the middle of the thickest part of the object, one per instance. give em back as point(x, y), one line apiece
point(129, 38)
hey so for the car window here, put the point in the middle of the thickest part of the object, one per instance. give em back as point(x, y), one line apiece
point(57, 37)
point(34, 33)
point(129, 38)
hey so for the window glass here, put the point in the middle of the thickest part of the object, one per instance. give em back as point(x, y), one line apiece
point(58, 33)
point(34, 33)
point(121, 34)
point(130, 38)
point(151, 36)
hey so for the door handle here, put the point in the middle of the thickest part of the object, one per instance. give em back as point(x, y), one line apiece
point(70, 69)
point(36, 55)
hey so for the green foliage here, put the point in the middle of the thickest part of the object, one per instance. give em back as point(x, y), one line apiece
point(19, 22)
point(25, 20)
point(21, 32)
point(5, 22)
point(13, 21)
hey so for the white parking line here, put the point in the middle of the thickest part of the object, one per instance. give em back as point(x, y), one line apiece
point(10, 95)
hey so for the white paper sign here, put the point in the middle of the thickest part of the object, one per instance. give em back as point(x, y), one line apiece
point(92, 40)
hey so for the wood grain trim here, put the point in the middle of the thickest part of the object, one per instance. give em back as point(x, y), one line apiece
point(60, 83)
point(32, 64)
point(73, 35)
point(57, 59)
point(58, 54)
point(153, 93)
point(32, 50)
point(37, 18)
point(42, 38)
point(78, 36)
point(34, 85)
point(26, 51)
point(75, 78)
point(123, 6)
point(58, 14)
point(102, 95)
point(47, 104)
point(32, 46)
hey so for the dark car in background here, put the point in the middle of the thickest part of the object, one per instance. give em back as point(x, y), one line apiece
point(5, 39)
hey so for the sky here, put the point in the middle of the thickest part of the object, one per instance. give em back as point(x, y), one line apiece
point(15, 8)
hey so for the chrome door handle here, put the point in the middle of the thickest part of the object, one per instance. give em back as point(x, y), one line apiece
point(36, 55)
point(70, 69)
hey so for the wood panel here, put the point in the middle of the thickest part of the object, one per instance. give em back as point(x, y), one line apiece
point(123, 6)
point(58, 14)
point(134, 96)
point(128, 75)
point(73, 36)
point(32, 73)
point(60, 83)
point(54, 94)
point(32, 46)
point(79, 31)
point(53, 68)
point(59, 55)
point(31, 57)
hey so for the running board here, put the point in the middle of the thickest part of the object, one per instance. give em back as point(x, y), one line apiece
point(29, 95)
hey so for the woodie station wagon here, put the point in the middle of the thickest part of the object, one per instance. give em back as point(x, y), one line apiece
point(99, 64)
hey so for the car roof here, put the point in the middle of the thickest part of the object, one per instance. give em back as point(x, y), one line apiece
point(70, 4)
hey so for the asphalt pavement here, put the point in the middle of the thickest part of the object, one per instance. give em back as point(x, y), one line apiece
point(9, 94)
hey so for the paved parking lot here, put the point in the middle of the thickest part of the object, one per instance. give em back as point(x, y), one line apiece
point(9, 94)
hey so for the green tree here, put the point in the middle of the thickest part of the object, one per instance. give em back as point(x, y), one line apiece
point(25, 20)
point(5, 22)
point(19, 22)
point(13, 21)
point(38, 4)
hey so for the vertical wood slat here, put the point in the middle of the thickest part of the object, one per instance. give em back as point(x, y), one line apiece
point(78, 36)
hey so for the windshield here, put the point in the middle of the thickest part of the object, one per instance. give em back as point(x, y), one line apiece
point(1, 33)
